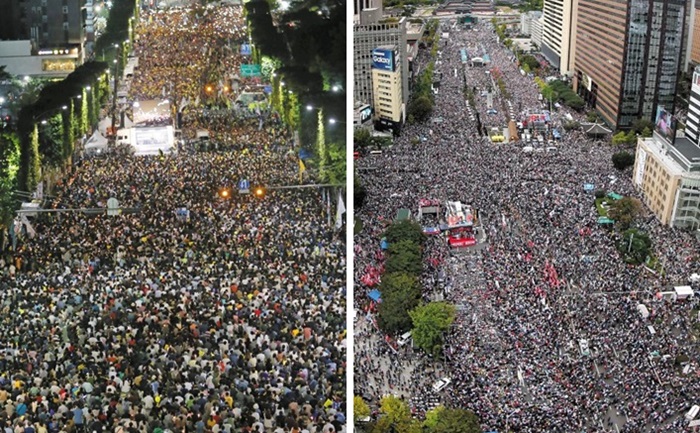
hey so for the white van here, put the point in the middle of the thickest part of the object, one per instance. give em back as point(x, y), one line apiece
point(441, 384)
point(404, 339)
point(692, 413)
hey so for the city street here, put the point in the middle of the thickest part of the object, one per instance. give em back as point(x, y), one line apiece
point(527, 301)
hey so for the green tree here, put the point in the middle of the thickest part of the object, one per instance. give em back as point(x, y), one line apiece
point(430, 322)
point(622, 160)
point(51, 140)
point(635, 246)
point(432, 416)
point(639, 125)
point(405, 230)
point(531, 62)
point(625, 211)
point(647, 132)
point(456, 421)
point(68, 138)
point(336, 163)
point(9, 165)
point(420, 108)
point(400, 282)
point(619, 138)
point(405, 259)
point(392, 312)
point(361, 409)
point(29, 173)
point(548, 93)
point(396, 417)
point(84, 119)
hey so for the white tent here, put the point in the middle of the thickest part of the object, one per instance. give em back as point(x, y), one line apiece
point(104, 124)
point(96, 144)
point(683, 292)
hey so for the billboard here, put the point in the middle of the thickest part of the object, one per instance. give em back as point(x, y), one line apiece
point(664, 123)
point(641, 163)
point(365, 114)
point(383, 59)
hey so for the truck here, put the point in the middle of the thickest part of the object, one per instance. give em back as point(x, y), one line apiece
point(429, 216)
point(459, 225)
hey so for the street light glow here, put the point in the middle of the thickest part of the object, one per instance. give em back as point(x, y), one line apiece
point(88, 88)
point(65, 107)
point(309, 108)
point(43, 122)
point(335, 88)
point(332, 121)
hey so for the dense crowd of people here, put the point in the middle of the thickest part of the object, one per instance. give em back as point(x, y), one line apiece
point(546, 277)
point(191, 310)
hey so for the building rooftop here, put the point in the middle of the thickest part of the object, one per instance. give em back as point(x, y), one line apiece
point(657, 147)
point(687, 148)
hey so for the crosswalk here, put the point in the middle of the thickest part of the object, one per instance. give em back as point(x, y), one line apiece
point(470, 111)
point(511, 111)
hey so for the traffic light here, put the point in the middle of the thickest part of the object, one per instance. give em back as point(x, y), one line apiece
point(260, 192)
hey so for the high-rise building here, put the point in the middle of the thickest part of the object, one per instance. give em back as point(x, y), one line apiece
point(628, 57)
point(694, 35)
point(536, 26)
point(368, 36)
point(13, 21)
point(557, 36)
point(667, 167)
point(692, 129)
point(47, 23)
point(386, 87)
point(526, 21)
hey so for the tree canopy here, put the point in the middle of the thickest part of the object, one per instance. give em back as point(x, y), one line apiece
point(455, 421)
point(430, 322)
point(622, 160)
point(405, 230)
point(635, 246)
point(392, 317)
point(396, 416)
point(360, 408)
point(625, 211)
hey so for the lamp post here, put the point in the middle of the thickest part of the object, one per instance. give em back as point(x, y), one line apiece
point(114, 93)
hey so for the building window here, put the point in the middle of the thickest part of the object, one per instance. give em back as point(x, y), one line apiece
point(65, 9)
point(65, 26)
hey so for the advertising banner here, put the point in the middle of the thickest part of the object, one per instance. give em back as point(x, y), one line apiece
point(664, 123)
point(383, 59)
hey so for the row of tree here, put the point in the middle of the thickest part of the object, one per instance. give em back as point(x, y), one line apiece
point(395, 416)
point(66, 110)
point(560, 91)
point(50, 121)
point(401, 308)
point(422, 98)
point(306, 46)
